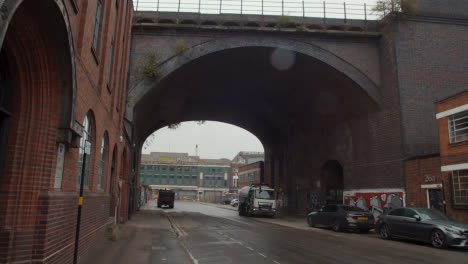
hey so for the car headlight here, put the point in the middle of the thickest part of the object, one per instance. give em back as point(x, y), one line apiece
point(454, 231)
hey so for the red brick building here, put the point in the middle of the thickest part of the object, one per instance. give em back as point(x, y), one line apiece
point(251, 173)
point(442, 181)
point(242, 158)
point(63, 66)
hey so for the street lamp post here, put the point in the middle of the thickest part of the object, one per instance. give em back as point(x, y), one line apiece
point(87, 151)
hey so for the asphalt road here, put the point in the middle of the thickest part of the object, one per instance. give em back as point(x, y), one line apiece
point(203, 234)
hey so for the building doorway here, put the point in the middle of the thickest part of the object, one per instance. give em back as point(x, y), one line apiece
point(332, 182)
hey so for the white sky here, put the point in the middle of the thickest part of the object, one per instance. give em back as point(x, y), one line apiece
point(215, 140)
point(313, 8)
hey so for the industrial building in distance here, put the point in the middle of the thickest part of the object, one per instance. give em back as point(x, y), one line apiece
point(191, 177)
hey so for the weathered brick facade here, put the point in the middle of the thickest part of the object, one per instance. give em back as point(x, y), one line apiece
point(427, 173)
point(251, 173)
point(54, 80)
point(452, 153)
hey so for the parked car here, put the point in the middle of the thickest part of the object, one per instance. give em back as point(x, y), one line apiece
point(340, 217)
point(235, 202)
point(423, 224)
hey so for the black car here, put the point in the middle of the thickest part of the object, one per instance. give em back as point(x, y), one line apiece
point(423, 224)
point(340, 217)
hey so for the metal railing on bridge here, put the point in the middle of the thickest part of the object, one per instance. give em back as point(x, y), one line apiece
point(289, 8)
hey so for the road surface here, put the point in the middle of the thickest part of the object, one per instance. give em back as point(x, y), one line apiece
point(204, 234)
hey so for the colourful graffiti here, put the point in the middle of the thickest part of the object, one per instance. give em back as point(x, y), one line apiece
point(377, 202)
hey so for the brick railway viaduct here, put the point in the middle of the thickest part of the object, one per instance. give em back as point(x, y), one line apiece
point(338, 105)
point(355, 102)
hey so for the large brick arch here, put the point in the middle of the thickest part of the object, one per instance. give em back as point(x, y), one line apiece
point(35, 49)
point(177, 61)
point(63, 38)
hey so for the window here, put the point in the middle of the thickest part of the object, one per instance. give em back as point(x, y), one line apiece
point(410, 213)
point(87, 136)
point(97, 27)
point(109, 69)
point(458, 127)
point(398, 212)
point(460, 187)
point(102, 163)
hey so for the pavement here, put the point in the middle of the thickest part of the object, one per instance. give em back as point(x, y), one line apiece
point(195, 233)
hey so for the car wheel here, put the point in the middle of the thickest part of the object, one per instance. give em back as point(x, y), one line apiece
point(336, 225)
point(384, 232)
point(438, 239)
point(310, 222)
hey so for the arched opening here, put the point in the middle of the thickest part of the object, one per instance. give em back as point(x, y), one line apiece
point(103, 161)
point(122, 189)
point(37, 99)
point(87, 141)
point(296, 103)
point(203, 161)
point(112, 187)
point(332, 182)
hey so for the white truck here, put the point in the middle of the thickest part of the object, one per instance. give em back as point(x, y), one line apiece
point(257, 200)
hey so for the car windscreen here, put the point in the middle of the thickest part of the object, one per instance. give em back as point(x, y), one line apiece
point(262, 194)
point(428, 214)
point(352, 209)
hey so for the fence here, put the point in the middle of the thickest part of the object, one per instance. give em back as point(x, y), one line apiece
point(293, 8)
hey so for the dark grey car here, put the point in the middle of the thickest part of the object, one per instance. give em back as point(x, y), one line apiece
point(423, 224)
point(339, 217)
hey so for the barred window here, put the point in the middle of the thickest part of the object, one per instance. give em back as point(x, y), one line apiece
point(111, 63)
point(460, 187)
point(97, 27)
point(458, 127)
point(87, 136)
point(102, 163)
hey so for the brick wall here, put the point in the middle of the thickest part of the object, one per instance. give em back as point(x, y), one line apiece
point(452, 153)
point(38, 221)
point(431, 65)
point(257, 168)
point(416, 171)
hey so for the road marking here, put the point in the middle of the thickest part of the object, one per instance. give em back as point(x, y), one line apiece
point(250, 248)
point(261, 254)
point(240, 243)
point(276, 262)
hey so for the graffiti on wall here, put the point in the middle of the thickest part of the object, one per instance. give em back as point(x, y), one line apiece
point(378, 201)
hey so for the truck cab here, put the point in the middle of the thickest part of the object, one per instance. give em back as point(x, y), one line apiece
point(257, 200)
point(166, 197)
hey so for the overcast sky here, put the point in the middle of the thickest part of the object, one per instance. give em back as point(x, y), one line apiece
point(314, 8)
point(215, 140)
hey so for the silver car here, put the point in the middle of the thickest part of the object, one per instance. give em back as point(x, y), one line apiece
point(423, 224)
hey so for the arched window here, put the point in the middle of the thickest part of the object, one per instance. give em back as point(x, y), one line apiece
point(102, 163)
point(87, 136)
